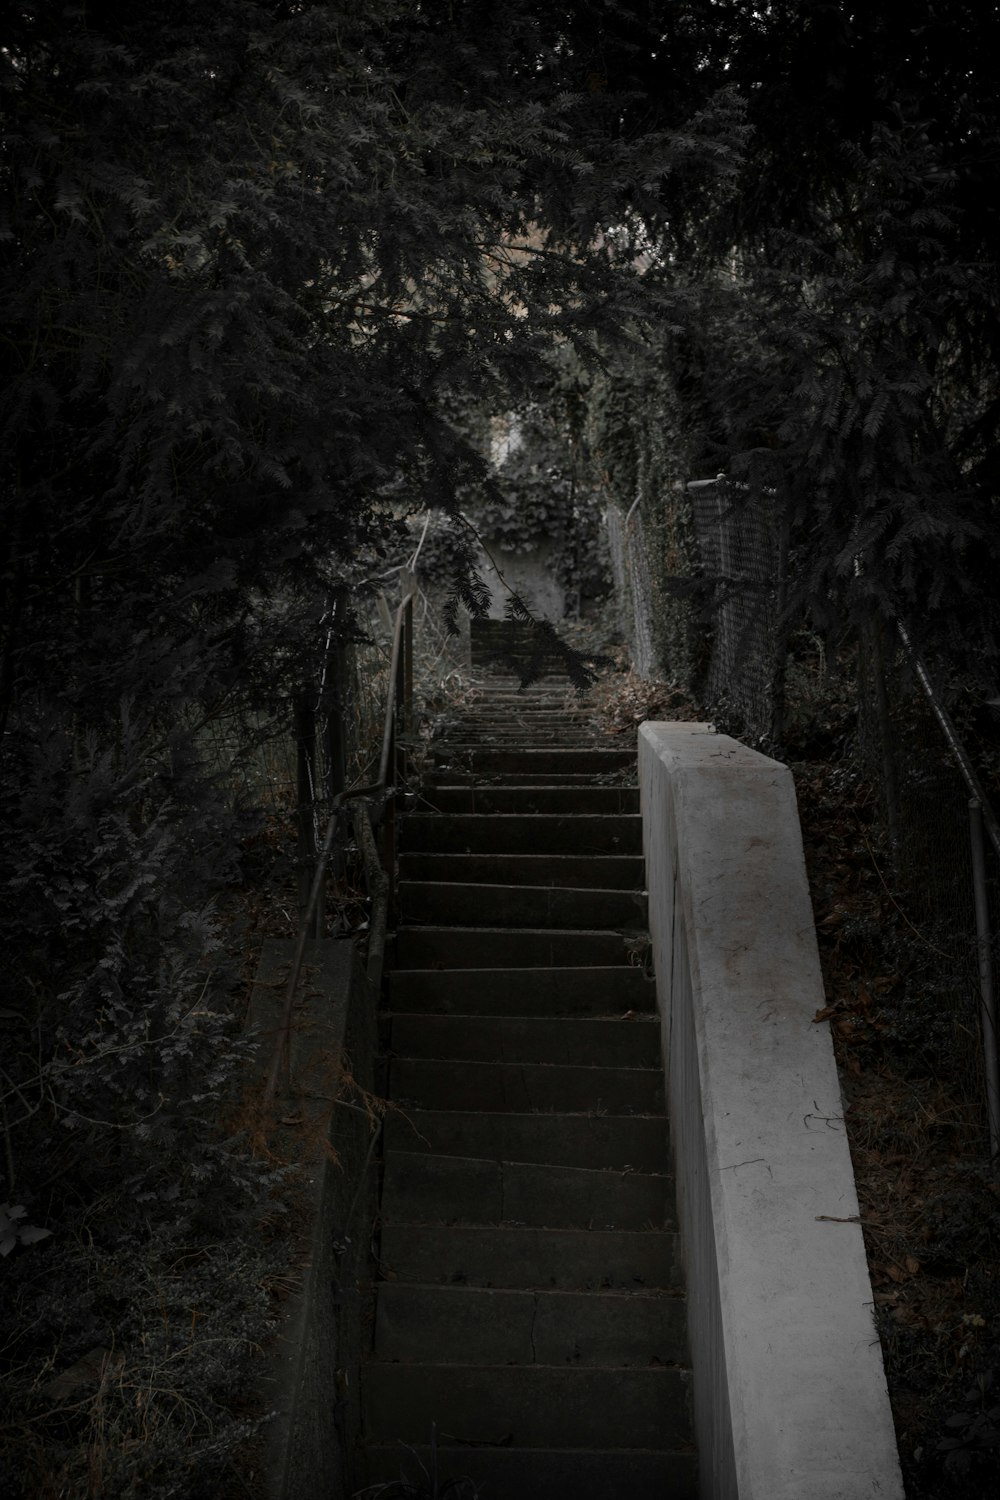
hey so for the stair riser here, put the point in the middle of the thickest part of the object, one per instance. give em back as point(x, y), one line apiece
point(456, 776)
point(596, 991)
point(603, 801)
point(529, 718)
point(579, 872)
point(553, 1259)
point(538, 1407)
point(519, 906)
point(635, 1142)
point(476, 1325)
point(528, 834)
point(580, 1040)
point(540, 1475)
point(443, 1084)
point(523, 733)
point(490, 762)
point(423, 1187)
point(496, 948)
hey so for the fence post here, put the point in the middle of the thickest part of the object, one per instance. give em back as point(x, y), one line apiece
point(988, 1009)
point(390, 831)
point(305, 747)
point(779, 670)
point(408, 664)
point(876, 663)
point(335, 717)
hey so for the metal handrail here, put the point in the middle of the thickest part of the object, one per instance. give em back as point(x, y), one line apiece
point(981, 818)
point(399, 696)
point(950, 733)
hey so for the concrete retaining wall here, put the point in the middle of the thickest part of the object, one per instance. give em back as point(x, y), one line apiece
point(789, 1389)
point(312, 1380)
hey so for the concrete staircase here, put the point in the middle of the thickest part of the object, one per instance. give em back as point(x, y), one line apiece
point(529, 1308)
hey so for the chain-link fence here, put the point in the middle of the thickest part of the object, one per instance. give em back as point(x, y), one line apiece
point(742, 545)
point(937, 867)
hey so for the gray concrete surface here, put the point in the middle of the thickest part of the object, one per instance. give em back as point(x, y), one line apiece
point(789, 1390)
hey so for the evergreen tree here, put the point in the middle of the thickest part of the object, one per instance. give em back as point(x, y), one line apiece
point(249, 253)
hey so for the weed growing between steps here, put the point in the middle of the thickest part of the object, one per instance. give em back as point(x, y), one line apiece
point(430, 1485)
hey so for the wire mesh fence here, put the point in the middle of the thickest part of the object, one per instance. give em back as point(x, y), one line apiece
point(756, 677)
point(742, 548)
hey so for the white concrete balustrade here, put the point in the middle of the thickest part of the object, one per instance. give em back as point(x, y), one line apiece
point(789, 1388)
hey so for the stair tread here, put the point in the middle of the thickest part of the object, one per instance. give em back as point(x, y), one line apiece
point(531, 1256)
point(428, 1324)
point(440, 1189)
point(528, 1405)
point(609, 1042)
point(639, 1142)
point(546, 1473)
point(446, 1083)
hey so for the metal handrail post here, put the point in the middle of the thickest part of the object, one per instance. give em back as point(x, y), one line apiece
point(408, 659)
point(305, 747)
point(389, 829)
point(990, 824)
point(988, 1007)
point(400, 685)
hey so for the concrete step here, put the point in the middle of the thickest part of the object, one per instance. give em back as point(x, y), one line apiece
point(519, 905)
point(506, 1256)
point(456, 776)
point(450, 1190)
point(445, 1325)
point(609, 991)
point(528, 717)
point(435, 1188)
point(513, 731)
point(502, 742)
point(494, 761)
point(524, 1088)
point(506, 1473)
point(439, 947)
point(638, 1143)
point(595, 800)
point(621, 872)
point(581, 1040)
point(553, 694)
point(527, 833)
point(446, 1083)
point(534, 1406)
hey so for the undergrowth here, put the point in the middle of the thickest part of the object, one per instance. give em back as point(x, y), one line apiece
point(904, 1028)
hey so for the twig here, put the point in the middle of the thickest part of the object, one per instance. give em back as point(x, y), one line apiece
point(916, 932)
